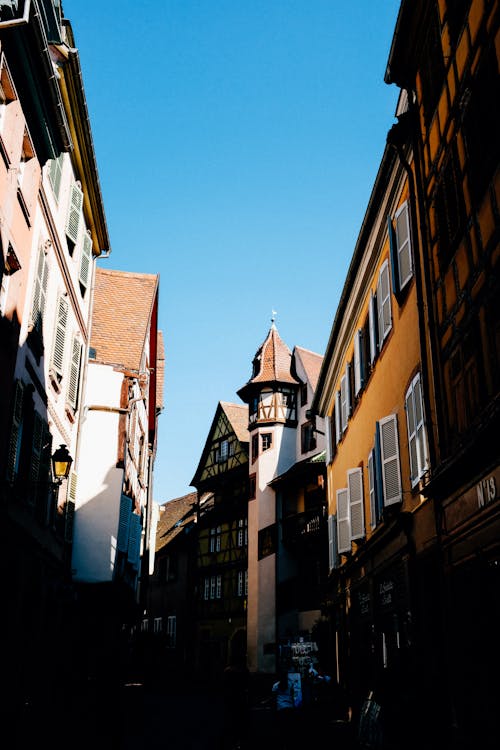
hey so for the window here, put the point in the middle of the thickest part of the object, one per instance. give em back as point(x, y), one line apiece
point(267, 441)
point(215, 539)
point(432, 71)
point(171, 631)
point(384, 315)
point(449, 209)
point(255, 447)
point(464, 384)
point(213, 587)
point(145, 625)
point(482, 125)
point(242, 587)
point(157, 625)
point(223, 451)
point(303, 394)
point(252, 482)
point(242, 540)
point(168, 568)
point(308, 437)
point(55, 174)
point(417, 437)
point(74, 373)
point(400, 243)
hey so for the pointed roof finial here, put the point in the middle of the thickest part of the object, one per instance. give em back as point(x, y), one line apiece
point(273, 317)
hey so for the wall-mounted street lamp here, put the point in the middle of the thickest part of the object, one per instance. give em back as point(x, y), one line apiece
point(61, 463)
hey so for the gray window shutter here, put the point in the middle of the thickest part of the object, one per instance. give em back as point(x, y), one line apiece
point(15, 431)
point(403, 244)
point(384, 314)
point(358, 362)
point(372, 324)
point(57, 361)
point(328, 440)
point(391, 471)
point(333, 560)
point(343, 521)
point(85, 260)
point(74, 213)
point(337, 417)
point(372, 489)
point(356, 507)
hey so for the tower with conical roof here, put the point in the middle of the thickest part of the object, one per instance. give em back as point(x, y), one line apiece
point(272, 396)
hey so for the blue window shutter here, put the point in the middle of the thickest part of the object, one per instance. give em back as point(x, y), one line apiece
point(124, 523)
point(373, 326)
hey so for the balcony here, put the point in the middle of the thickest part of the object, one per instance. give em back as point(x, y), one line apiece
point(304, 528)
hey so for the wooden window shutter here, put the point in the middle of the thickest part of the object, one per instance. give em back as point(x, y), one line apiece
point(333, 558)
point(74, 213)
point(85, 260)
point(403, 245)
point(356, 507)
point(39, 291)
point(17, 418)
point(74, 373)
point(372, 325)
point(57, 360)
point(389, 450)
point(124, 523)
point(343, 521)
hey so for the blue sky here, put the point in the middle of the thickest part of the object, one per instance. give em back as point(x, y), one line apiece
point(237, 143)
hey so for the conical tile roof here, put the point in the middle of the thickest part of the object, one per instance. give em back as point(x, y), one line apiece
point(272, 363)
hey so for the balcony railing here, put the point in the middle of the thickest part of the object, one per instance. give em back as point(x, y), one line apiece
point(303, 526)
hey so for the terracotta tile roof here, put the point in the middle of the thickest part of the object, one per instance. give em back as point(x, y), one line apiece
point(123, 303)
point(238, 417)
point(272, 362)
point(312, 364)
point(173, 516)
point(160, 370)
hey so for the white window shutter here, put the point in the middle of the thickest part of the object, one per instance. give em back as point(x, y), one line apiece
point(348, 396)
point(55, 174)
point(343, 521)
point(124, 523)
point(337, 417)
point(332, 543)
point(417, 437)
point(372, 323)
point(391, 471)
point(356, 507)
point(328, 440)
point(74, 213)
point(15, 429)
point(412, 435)
point(74, 373)
point(57, 361)
point(39, 291)
point(85, 260)
point(403, 244)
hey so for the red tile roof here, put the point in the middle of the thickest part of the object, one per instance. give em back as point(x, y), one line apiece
point(123, 304)
point(272, 362)
point(237, 415)
point(173, 516)
point(312, 364)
